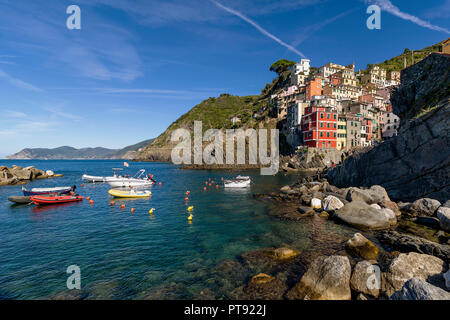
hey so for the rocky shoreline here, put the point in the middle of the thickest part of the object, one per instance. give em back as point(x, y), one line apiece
point(18, 175)
point(405, 266)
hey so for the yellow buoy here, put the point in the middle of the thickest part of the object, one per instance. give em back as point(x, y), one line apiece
point(151, 211)
point(190, 208)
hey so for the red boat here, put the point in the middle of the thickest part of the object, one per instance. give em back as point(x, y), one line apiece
point(40, 200)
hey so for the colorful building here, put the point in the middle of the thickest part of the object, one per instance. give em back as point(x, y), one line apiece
point(313, 88)
point(319, 127)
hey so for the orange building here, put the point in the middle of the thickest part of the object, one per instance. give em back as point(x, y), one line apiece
point(313, 88)
point(319, 127)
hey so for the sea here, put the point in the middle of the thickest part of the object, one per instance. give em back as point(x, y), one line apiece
point(122, 254)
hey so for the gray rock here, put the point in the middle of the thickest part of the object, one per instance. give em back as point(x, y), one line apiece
point(443, 213)
point(447, 279)
point(332, 203)
point(366, 279)
point(362, 216)
point(423, 207)
point(408, 266)
point(328, 278)
point(356, 194)
point(407, 243)
point(417, 289)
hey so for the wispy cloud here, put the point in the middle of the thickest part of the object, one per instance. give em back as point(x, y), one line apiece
point(387, 5)
point(17, 82)
point(259, 28)
point(311, 29)
point(56, 111)
point(15, 114)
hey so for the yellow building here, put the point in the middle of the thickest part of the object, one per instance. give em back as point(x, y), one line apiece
point(342, 134)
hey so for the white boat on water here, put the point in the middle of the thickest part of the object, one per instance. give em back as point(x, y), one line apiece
point(238, 182)
point(139, 180)
point(93, 179)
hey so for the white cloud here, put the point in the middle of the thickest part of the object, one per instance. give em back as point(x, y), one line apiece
point(259, 28)
point(387, 5)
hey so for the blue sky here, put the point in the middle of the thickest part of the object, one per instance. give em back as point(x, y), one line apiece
point(137, 65)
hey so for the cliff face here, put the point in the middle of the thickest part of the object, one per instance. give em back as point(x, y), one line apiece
point(415, 163)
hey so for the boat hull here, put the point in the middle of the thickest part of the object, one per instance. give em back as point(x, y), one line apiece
point(129, 194)
point(41, 200)
point(93, 179)
point(130, 183)
point(49, 191)
point(20, 200)
point(236, 184)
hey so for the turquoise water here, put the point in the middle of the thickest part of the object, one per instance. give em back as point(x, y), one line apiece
point(124, 255)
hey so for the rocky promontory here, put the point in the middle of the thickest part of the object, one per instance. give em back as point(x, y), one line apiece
point(415, 163)
point(19, 175)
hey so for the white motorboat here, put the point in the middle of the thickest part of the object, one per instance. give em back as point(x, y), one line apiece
point(93, 179)
point(238, 182)
point(139, 180)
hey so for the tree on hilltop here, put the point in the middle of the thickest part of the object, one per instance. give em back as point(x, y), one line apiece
point(281, 66)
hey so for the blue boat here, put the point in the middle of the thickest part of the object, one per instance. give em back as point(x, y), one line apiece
point(47, 191)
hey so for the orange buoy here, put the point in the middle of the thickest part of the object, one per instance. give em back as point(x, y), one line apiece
point(111, 203)
point(133, 210)
point(91, 202)
point(122, 206)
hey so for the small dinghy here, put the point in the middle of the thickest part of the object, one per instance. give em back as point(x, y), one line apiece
point(20, 200)
point(47, 191)
point(44, 200)
point(130, 194)
point(93, 179)
point(238, 182)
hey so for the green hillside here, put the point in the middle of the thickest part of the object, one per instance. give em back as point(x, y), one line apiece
point(397, 63)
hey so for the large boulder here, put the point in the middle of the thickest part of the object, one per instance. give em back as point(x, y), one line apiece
point(418, 289)
point(407, 243)
point(332, 203)
point(356, 194)
point(361, 247)
point(443, 213)
point(408, 266)
point(423, 207)
point(362, 216)
point(328, 278)
point(22, 173)
point(366, 279)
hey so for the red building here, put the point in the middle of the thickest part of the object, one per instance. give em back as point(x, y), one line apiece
point(319, 127)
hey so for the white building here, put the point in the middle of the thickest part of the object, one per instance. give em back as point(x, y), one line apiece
point(302, 67)
point(390, 124)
